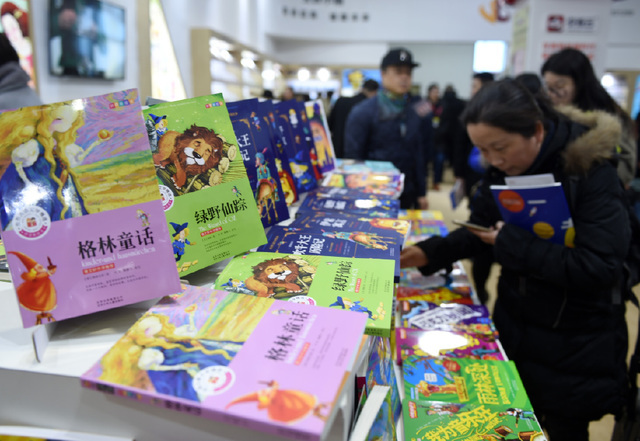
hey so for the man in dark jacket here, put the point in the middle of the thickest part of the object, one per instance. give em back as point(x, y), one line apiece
point(14, 89)
point(393, 127)
point(340, 111)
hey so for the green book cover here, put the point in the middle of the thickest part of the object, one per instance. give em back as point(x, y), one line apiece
point(362, 285)
point(206, 194)
point(443, 421)
point(464, 380)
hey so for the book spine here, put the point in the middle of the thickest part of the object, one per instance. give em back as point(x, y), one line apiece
point(190, 408)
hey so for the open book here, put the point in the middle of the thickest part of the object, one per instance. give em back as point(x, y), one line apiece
point(536, 205)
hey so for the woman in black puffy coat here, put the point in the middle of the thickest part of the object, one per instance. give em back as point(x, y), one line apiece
point(557, 310)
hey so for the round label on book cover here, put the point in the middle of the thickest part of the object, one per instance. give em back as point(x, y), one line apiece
point(167, 197)
point(213, 380)
point(306, 300)
point(31, 222)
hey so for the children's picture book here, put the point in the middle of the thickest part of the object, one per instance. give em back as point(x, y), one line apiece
point(254, 146)
point(540, 209)
point(207, 196)
point(453, 344)
point(82, 219)
point(456, 277)
point(383, 184)
point(342, 192)
point(362, 285)
point(381, 371)
point(238, 359)
point(267, 112)
point(295, 145)
point(329, 242)
point(453, 421)
point(438, 295)
point(420, 214)
point(371, 207)
point(422, 314)
point(464, 380)
point(304, 128)
point(375, 421)
point(317, 118)
point(425, 228)
point(346, 222)
point(364, 165)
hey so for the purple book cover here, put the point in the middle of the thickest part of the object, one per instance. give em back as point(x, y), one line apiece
point(441, 343)
point(82, 216)
point(266, 364)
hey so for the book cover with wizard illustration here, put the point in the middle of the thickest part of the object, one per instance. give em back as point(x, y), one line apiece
point(208, 199)
point(464, 380)
point(267, 112)
point(256, 151)
point(320, 133)
point(295, 146)
point(265, 364)
point(450, 421)
point(301, 241)
point(361, 285)
point(542, 210)
point(82, 217)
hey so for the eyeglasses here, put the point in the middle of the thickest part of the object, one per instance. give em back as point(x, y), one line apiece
point(557, 90)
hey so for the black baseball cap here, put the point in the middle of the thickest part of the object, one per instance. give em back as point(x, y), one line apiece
point(398, 57)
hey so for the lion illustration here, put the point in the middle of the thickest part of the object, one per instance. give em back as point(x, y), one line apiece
point(192, 152)
point(272, 274)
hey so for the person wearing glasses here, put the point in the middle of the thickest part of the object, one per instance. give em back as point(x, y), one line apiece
point(570, 81)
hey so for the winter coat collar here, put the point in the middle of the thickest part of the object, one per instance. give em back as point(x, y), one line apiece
point(593, 146)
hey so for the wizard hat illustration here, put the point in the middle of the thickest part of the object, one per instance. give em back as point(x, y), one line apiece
point(178, 227)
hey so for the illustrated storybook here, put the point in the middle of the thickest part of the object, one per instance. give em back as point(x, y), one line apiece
point(421, 314)
point(361, 285)
point(267, 112)
point(425, 228)
point(342, 192)
point(304, 128)
point(365, 166)
point(542, 210)
point(208, 199)
point(450, 421)
point(381, 371)
point(375, 421)
point(295, 146)
point(239, 359)
point(371, 207)
point(456, 277)
point(255, 148)
point(82, 218)
point(346, 222)
point(317, 118)
point(464, 380)
point(383, 184)
point(420, 214)
point(438, 295)
point(329, 242)
point(452, 344)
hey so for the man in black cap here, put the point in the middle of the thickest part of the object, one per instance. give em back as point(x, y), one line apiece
point(393, 126)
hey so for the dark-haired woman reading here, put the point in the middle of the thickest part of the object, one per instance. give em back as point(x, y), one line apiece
point(556, 310)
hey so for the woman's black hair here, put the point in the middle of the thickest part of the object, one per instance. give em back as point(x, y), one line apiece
point(531, 81)
point(7, 51)
point(510, 106)
point(589, 93)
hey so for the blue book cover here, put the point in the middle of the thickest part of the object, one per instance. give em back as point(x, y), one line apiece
point(542, 210)
point(292, 240)
point(304, 129)
point(295, 146)
point(382, 226)
point(259, 161)
point(267, 112)
point(371, 207)
point(343, 192)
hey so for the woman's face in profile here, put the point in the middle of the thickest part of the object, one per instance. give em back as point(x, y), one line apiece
point(509, 152)
point(561, 88)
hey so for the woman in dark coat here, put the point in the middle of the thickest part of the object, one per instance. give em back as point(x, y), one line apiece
point(556, 311)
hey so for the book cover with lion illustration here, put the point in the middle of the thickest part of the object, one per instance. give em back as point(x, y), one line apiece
point(207, 196)
point(82, 217)
point(259, 160)
point(259, 363)
point(449, 421)
point(335, 242)
point(361, 285)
